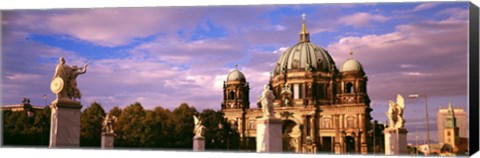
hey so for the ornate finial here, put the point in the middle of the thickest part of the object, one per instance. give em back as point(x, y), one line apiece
point(304, 27)
point(304, 35)
point(236, 66)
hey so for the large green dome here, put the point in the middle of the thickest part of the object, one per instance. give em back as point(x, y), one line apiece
point(304, 56)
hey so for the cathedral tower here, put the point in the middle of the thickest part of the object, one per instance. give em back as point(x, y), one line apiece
point(450, 132)
point(235, 91)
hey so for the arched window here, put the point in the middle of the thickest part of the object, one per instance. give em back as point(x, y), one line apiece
point(231, 95)
point(327, 123)
point(252, 124)
point(350, 122)
point(349, 87)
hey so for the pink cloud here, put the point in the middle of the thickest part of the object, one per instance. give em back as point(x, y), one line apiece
point(106, 26)
point(440, 63)
point(361, 19)
point(155, 72)
point(424, 6)
point(455, 13)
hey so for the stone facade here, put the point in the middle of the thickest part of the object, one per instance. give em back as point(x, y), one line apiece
point(321, 108)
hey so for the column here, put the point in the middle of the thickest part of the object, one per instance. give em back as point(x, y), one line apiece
point(337, 141)
point(344, 144)
point(362, 121)
point(356, 90)
point(364, 145)
point(342, 87)
point(359, 122)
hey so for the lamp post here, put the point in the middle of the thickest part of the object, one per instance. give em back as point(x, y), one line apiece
point(45, 97)
point(412, 96)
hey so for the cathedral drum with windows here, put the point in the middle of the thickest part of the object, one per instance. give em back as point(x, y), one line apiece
point(323, 109)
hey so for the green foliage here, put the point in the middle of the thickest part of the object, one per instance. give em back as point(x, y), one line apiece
point(160, 127)
point(129, 129)
point(181, 127)
point(116, 111)
point(91, 125)
point(135, 127)
point(20, 130)
point(220, 134)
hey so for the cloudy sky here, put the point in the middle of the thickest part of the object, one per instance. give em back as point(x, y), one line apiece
point(163, 56)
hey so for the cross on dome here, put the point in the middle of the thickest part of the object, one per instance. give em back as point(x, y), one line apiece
point(304, 35)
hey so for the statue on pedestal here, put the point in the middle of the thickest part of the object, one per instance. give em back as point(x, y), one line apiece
point(64, 82)
point(199, 129)
point(107, 125)
point(395, 113)
point(266, 101)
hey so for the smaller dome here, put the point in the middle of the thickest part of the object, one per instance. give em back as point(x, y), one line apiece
point(351, 65)
point(236, 75)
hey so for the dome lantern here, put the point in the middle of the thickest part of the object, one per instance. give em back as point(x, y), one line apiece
point(304, 35)
point(351, 64)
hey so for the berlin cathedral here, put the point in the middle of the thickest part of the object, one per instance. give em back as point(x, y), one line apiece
point(323, 109)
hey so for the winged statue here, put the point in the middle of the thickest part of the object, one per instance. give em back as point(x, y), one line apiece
point(400, 106)
point(395, 112)
point(199, 129)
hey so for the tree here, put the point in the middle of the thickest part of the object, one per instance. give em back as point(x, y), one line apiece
point(181, 123)
point(91, 125)
point(21, 130)
point(129, 129)
point(161, 128)
point(116, 111)
point(42, 120)
point(220, 134)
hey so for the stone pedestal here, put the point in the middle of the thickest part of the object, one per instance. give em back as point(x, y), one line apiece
point(269, 135)
point(198, 143)
point(395, 141)
point(65, 124)
point(107, 140)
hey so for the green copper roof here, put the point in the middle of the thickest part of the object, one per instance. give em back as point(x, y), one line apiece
point(305, 56)
point(451, 120)
point(351, 65)
point(236, 75)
